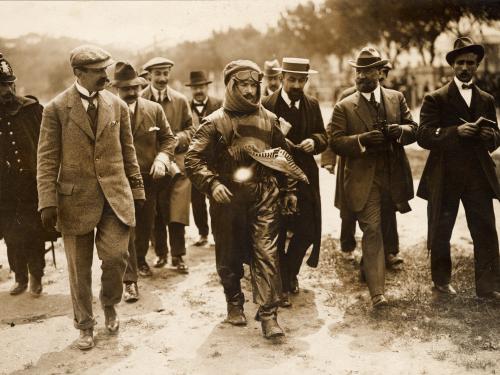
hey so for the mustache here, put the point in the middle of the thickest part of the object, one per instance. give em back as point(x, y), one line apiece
point(249, 96)
point(103, 81)
point(131, 97)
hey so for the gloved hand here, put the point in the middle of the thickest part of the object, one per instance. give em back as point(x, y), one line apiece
point(49, 217)
point(289, 204)
point(394, 131)
point(371, 138)
point(158, 169)
point(139, 203)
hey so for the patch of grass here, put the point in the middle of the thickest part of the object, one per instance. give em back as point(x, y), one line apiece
point(414, 310)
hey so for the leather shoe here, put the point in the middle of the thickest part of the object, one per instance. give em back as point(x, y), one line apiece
point(160, 262)
point(202, 241)
point(131, 293)
point(285, 300)
point(18, 288)
point(394, 262)
point(178, 262)
point(86, 339)
point(445, 289)
point(271, 328)
point(492, 296)
point(35, 286)
point(111, 320)
point(145, 271)
point(379, 301)
point(294, 285)
point(235, 315)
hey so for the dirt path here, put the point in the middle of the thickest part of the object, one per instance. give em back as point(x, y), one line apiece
point(176, 327)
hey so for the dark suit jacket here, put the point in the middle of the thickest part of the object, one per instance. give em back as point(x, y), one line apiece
point(152, 134)
point(350, 118)
point(313, 127)
point(212, 105)
point(77, 170)
point(442, 109)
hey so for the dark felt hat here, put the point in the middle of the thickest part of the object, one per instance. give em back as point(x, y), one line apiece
point(368, 57)
point(125, 75)
point(269, 68)
point(464, 45)
point(197, 78)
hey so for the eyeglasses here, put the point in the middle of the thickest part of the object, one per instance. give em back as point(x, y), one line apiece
point(248, 74)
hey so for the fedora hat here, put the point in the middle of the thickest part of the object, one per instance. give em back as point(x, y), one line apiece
point(125, 75)
point(464, 45)
point(269, 68)
point(368, 57)
point(197, 78)
point(295, 65)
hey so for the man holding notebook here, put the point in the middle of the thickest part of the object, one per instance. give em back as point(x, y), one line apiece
point(460, 168)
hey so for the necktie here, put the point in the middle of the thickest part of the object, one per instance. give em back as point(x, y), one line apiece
point(91, 111)
point(466, 86)
point(373, 102)
point(293, 107)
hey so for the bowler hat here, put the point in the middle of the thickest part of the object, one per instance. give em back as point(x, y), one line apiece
point(368, 57)
point(295, 65)
point(197, 78)
point(125, 75)
point(269, 68)
point(464, 45)
point(6, 72)
point(157, 62)
point(88, 56)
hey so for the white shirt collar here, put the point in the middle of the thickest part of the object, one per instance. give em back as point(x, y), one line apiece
point(196, 103)
point(466, 93)
point(156, 93)
point(460, 83)
point(133, 107)
point(83, 90)
point(287, 99)
point(376, 92)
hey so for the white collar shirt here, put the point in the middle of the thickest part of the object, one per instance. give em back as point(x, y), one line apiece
point(287, 99)
point(376, 92)
point(466, 93)
point(161, 95)
point(82, 90)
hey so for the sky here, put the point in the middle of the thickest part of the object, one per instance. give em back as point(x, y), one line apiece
point(137, 24)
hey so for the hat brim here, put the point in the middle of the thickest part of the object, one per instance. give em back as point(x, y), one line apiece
point(138, 81)
point(475, 48)
point(201, 83)
point(310, 71)
point(158, 66)
point(271, 74)
point(376, 64)
point(9, 79)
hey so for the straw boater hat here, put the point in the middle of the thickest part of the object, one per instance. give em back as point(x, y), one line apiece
point(125, 75)
point(295, 65)
point(197, 78)
point(368, 57)
point(464, 45)
point(269, 68)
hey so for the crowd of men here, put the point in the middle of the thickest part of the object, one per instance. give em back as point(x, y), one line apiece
point(117, 168)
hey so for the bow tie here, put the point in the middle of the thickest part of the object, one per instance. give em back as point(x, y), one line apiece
point(466, 86)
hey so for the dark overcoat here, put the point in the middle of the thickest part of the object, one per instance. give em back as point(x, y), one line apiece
point(441, 113)
point(311, 127)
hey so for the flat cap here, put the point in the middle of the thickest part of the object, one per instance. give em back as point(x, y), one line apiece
point(157, 62)
point(88, 56)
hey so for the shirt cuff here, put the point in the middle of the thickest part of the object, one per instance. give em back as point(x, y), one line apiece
point(361, 147)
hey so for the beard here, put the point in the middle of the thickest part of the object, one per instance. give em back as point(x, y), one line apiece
point(366, 85)
point(295, 94)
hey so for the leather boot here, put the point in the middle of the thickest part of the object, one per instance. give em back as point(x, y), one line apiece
point(35, 286)
point(86, 339)
point(235, 314)
point(18, 288)
point(111, 320)
point(268, 318)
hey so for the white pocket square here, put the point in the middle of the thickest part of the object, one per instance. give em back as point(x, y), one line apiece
point(153, 128)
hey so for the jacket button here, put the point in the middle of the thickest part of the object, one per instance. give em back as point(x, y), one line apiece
point(16, 152)
point(13, 142)
point(11, 133)
point(8, 123)
point(18, 160)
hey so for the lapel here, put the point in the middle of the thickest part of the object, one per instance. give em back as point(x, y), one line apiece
point(147, 93)
point(139, 116)
point(477, 103)
point(390, 106)
point(77, 112)
point(362, 110)
point(458, 102)
point(103, 113)
point(270, 101)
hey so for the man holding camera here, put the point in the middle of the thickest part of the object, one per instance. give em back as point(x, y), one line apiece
point(369, 129)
